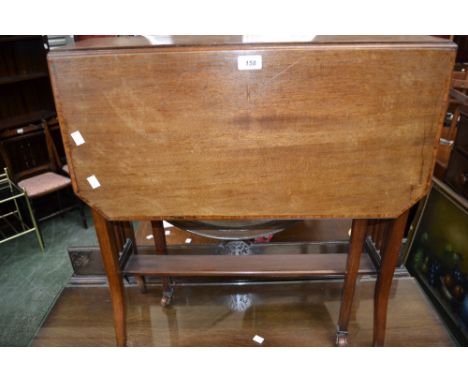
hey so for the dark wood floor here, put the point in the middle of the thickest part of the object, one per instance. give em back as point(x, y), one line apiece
point(290, 314)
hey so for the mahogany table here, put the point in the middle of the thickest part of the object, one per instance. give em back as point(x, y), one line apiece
point(226, 127)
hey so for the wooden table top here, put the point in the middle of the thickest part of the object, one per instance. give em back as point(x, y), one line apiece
point(342, 127)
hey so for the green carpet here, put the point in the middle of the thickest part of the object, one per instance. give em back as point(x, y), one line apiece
point(30, 281)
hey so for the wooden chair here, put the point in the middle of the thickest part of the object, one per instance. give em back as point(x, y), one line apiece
point(60, 163)
point(36, 170)
point(53, 139)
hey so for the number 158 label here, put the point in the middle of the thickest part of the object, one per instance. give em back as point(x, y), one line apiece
point(249, 62)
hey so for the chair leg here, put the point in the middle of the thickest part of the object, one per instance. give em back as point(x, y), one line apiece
point(40, 239)
point(385, 276)
point(82, 214)
point(59, 202)
point(358, 234)
point(80, 206)
point(110, 259)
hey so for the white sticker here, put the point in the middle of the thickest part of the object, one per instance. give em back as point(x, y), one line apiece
point(188, 240)
point(249, 62)
point(167, 224)
point(167, 232)
point(93, 181)
point(258, 339)
point(149, 237)
point(78, 138)
point(20, 131)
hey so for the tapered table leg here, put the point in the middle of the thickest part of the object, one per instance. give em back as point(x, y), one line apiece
point(161, 249)
point(371, 228)
point(358, 234)
point(385, 276)
point(110, 258)
point(382, 235)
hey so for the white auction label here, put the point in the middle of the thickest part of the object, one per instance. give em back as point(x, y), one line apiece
point(258, 339)
point(249, 62)
point(167, 224)
point(93, 181)
point(78, 138)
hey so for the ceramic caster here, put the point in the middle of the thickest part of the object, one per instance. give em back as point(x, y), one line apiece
point(165, 301)
point(140, 280)
point(341, 338)
point(167, 297)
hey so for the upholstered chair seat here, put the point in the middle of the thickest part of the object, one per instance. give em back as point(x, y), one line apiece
point(44, 183)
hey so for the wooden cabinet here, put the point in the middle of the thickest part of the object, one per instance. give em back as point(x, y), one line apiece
point(452, 119)
point(25, 101)
point(25, 92)
point(457, 172)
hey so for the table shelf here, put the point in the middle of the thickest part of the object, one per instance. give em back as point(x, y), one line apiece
point(287, 265)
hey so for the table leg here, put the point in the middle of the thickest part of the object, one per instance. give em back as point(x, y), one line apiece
point(358, 234)
point(382, 235)
point(129, 233)
point(118, 235)
point(161, 249)
point(385, 276)
point(110, 257)
point(371, 229)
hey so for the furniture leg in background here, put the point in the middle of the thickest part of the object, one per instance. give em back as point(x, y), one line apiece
point(159, 237)
point(358, 234)
point(129, 233)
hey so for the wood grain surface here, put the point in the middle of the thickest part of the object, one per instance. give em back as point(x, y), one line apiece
point(325, 130)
